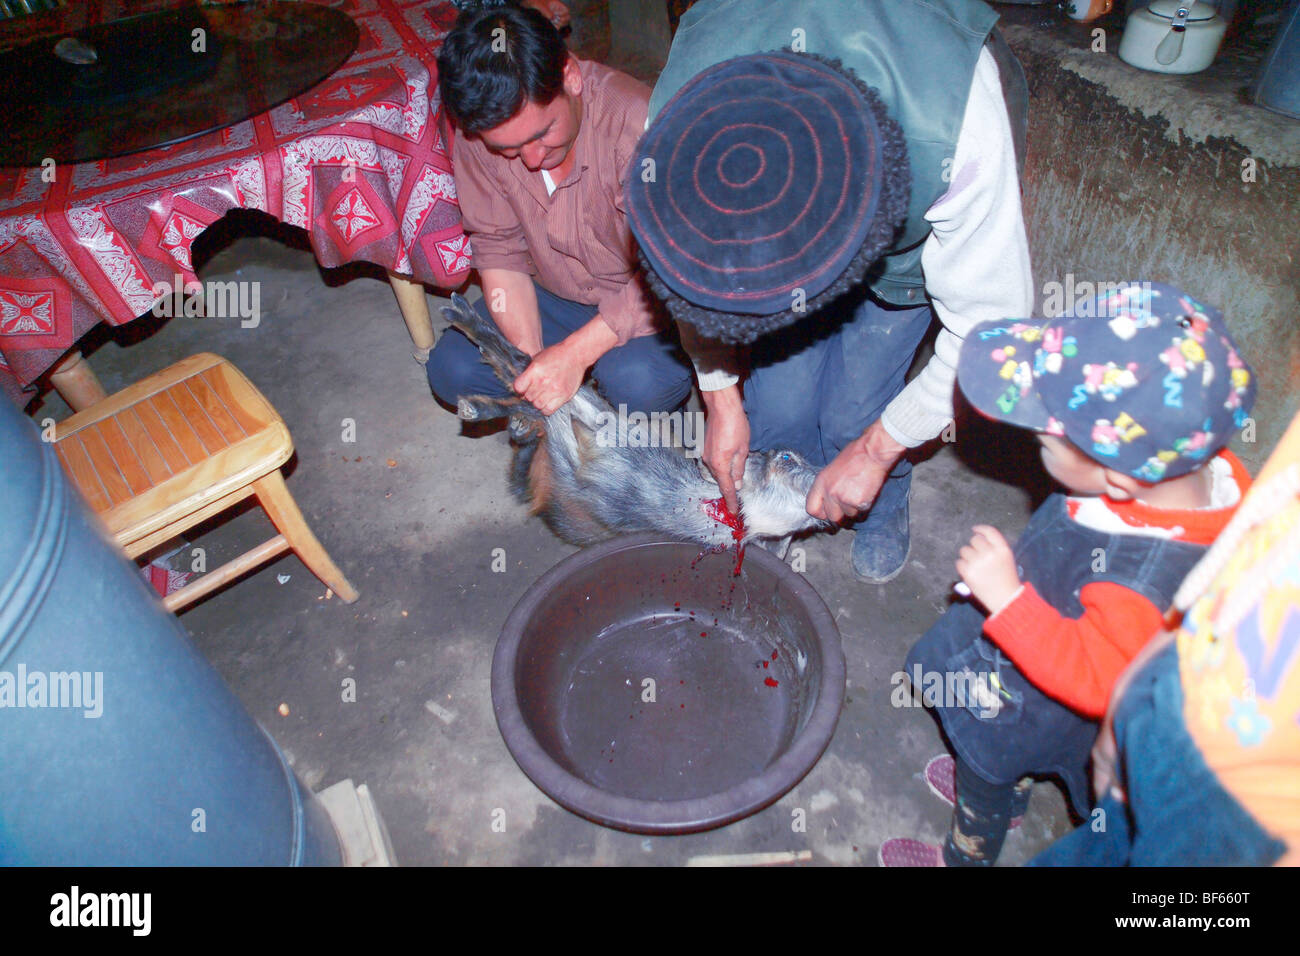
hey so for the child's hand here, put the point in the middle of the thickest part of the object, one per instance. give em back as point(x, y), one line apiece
point(989, 568)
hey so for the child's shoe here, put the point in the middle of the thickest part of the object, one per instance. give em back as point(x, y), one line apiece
point(901, 851)
point(941, 778)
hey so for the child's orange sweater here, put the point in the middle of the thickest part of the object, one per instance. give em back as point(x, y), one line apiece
point(1078, 660)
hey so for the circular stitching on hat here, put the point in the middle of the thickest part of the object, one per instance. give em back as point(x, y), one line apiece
point(762, 165)
point(699, 188)
point(740, 327)
point(848, 86)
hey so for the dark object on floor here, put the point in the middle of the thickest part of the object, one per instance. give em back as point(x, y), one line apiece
point(592, 473)
point(650, 689)
point(121, 745)
point(164, 77)
point(881, 546)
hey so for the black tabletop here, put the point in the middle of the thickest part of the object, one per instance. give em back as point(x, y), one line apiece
point(159, 78)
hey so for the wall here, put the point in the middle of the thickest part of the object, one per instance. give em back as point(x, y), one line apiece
point(1138, 174)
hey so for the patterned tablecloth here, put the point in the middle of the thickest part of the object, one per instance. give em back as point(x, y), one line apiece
point(361, 161)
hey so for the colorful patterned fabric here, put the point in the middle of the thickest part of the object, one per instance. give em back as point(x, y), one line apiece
point(163, 579)
point(361, 161)
point(1143, 379)
point(1239, 650)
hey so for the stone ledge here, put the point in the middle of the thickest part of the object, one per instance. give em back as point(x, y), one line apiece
point(1193, 108)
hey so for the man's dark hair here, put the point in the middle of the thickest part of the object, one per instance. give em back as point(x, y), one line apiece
point(486, 76)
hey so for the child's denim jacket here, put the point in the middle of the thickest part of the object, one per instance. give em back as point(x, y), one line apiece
point(1026, 732)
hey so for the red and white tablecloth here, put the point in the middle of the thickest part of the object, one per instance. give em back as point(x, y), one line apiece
point(361, 161)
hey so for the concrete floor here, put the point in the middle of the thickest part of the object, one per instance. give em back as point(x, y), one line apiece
point(412, 511)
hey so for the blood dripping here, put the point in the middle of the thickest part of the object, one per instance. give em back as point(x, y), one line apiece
point(716, 508)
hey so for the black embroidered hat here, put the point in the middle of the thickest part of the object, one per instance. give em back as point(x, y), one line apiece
point(767, 186)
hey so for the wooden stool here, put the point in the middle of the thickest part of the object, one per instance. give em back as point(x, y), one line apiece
point(181, 446)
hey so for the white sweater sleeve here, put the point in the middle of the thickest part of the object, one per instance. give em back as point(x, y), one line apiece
point(716, 365)
point(975, 260)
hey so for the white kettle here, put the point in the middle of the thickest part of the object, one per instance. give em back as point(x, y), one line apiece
point(1173, 36)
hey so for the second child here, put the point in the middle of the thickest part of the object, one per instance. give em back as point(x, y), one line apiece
point(1133, 402)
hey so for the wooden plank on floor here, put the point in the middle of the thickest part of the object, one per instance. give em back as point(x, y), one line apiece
point(177, 427)
point(151, 456)
point(216, 409)
point(220, 381)
point(129, 464)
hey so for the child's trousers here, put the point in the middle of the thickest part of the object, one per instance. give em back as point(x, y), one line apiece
point(982, 816)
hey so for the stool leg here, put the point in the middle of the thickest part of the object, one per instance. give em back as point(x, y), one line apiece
point(284, 514)
point(415, 311)
point(75, 381)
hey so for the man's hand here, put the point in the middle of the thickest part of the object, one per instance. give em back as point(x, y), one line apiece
point(850, 483)
point(556, 372)
point(726, 442)
point(552, 377)
point(988, 567)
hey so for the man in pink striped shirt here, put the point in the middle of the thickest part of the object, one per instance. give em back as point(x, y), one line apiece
point(544, 142)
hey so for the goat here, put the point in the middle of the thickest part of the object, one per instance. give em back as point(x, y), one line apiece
point(588, 484)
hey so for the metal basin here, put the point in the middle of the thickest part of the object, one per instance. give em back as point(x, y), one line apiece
point(648, 688)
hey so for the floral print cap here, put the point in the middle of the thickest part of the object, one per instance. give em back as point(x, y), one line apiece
point(1143, 378)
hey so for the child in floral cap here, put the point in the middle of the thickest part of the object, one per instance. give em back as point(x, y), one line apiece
point(1133, 398)
point(1198, 761)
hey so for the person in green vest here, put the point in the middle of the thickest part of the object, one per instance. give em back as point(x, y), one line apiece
point(818, 181)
